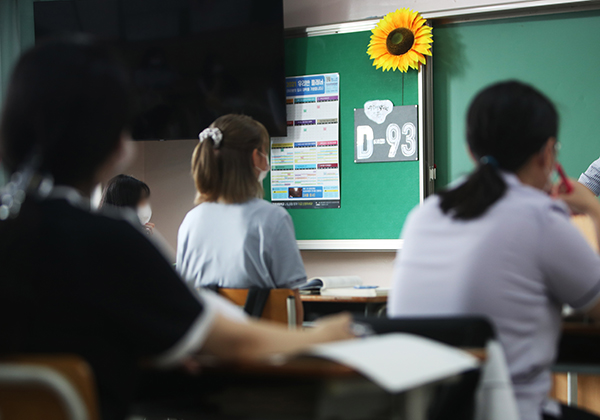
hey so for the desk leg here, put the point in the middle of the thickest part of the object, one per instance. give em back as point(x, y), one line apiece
point(375, 309)
point(571, 389)
point(417, 403)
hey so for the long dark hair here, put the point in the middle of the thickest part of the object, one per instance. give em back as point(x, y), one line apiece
point(69, 102)
point(507, 124)
point(125, 191)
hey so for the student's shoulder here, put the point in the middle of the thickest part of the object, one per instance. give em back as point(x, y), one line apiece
point(429, 208)
point(202, 213)
point(267, 212)
point(528, 209)
point(273, 209)
point(193, 214)
point(104, 225)
point(536, 203)
point(422, 215)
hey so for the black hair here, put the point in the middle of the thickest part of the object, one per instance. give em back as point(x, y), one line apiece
point(507, 124)
point(125, 191)
point(68, 102)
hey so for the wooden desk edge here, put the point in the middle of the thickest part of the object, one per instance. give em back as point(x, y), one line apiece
point(343, 299)
point(304, 366)
point(577, 328)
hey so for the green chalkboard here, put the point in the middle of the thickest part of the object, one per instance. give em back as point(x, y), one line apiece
point(556, 53)
point(375, 197)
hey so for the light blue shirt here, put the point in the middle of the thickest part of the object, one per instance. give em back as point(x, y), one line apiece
point(517, 264)
point(591, 177)
point(239, 246)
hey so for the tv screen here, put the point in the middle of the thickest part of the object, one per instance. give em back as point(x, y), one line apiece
point(191, 61)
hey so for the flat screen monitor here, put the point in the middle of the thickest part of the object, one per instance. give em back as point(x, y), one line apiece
point(190, 61)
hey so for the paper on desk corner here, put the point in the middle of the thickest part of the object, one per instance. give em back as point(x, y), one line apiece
point(398, 362)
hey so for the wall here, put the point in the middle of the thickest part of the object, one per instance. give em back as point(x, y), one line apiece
point(374, 268)
point(322, 12)
point(167, 172)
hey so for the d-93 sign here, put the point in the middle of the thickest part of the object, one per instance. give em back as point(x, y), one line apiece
point(385, 133)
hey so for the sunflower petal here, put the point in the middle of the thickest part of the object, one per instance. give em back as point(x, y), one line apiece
point(421, 48)
point(423, 31)
point(387, 25)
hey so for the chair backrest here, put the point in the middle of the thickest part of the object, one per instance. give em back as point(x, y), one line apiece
point(49, 387)
point(461, 331)
point(277, 306)
point(489, 397)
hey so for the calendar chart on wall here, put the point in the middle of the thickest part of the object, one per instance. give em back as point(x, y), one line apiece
point(305, 164)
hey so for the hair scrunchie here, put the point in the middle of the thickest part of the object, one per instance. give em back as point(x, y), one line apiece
point(214, 133)
point(489, 160)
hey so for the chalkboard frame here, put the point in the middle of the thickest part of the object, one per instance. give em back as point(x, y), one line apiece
point(425, 142)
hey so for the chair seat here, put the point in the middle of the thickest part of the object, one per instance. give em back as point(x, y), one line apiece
point(49, 387)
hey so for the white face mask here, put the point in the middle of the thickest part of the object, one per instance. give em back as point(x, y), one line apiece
point(144, 213)
point(263, 172)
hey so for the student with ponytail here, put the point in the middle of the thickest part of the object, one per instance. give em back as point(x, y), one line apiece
point(499, 243)
point(234, 238)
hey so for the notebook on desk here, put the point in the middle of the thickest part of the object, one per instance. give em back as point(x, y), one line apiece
point(342, 286)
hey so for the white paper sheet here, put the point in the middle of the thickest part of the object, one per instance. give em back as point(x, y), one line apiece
point(398, 362)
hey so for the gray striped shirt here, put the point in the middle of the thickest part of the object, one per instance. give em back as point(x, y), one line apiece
point(591, 177)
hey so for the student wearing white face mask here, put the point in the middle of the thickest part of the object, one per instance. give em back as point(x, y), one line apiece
point(128, 192)
point(234, 238)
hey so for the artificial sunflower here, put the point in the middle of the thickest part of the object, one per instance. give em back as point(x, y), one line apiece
point(400, 40)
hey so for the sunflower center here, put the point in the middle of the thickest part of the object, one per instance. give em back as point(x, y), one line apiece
point(400, 41)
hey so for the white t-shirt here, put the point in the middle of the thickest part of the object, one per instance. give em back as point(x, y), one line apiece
point(517, 264)
point(239, 246)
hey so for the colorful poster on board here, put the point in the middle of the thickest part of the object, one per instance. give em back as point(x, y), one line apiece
point(305, 165)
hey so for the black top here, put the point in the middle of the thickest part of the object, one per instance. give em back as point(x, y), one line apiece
point(76, 282)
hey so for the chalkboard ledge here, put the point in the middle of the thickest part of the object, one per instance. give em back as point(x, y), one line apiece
point(368, 245)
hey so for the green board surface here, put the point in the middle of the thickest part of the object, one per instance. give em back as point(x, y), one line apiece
point(558, 54)
point(375, 197)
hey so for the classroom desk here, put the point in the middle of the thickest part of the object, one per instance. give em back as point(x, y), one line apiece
point(579, 348)
point(300, 388)
point(328, 304)
point(343, 299)
point(579, 353)
point(337, 390)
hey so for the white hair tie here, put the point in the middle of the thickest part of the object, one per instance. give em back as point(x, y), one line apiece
point(214, 133)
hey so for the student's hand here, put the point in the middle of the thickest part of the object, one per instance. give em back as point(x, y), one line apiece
point(191, 366)
point(581, 200)
point(149, 228)
point(334, 328)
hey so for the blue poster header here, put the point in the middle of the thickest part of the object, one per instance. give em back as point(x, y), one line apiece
point(308, 85)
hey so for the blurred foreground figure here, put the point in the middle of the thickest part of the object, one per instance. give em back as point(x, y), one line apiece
point(72, 281)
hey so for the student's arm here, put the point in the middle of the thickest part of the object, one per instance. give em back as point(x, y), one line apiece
point(572, 267)
point(583, 201)
point(256, 340)
point(155, 316)
point(284, 259)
